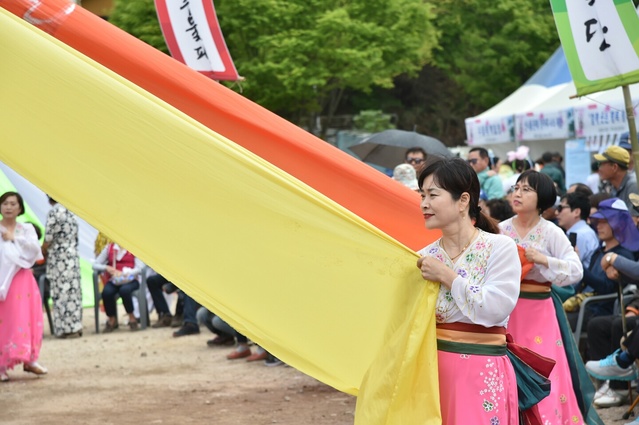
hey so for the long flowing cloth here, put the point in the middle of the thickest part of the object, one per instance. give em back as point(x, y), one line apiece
point(279, 261)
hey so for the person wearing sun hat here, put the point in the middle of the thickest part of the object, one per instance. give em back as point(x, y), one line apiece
point(613, 167)
point(406, 175)
point(602, 330)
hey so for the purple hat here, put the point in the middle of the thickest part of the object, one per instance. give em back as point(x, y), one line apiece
point(615, 211)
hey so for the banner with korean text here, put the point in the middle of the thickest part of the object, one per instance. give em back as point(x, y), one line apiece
point(193, 36)
point(546, 125)
point(482, 131)
point(601, 42)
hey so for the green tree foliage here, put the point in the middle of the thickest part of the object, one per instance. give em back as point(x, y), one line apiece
point(301, 55)
point(491, 47)
point(372, 121)
point(138, 18)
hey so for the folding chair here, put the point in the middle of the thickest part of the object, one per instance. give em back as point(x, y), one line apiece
point(140, 293)
point(46, 296)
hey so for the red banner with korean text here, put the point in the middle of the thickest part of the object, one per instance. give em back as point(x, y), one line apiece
point(193, 36)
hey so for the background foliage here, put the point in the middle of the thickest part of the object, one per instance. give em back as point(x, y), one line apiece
point(429, 64)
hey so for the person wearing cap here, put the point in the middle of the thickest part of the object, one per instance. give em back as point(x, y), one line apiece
point(619, 237)
point(624, 142)
point(613, 167)
point(406, 175)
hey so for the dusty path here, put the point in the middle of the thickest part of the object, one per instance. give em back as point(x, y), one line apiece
point(149, 377)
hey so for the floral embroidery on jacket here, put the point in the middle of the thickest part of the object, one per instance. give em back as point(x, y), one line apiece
point(472, 267)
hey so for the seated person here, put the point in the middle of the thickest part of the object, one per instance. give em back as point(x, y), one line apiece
point(572, 212)
point(155, 284)
point(618, 236)
point(123, 270)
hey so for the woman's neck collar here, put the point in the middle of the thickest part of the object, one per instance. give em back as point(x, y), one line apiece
point(459, 236)
point(8, 223)
point(528, 220)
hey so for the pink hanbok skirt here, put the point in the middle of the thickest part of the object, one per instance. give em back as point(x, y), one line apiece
point(477, 389)
point(533, 324)
point(21, 321)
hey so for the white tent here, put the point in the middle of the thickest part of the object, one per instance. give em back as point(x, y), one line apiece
point(543, 115)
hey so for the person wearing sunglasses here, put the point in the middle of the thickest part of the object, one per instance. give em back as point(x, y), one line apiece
point(572, 212)
point(416, 157)
point(489, 182)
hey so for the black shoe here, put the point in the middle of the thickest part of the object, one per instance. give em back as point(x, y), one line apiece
point(187, 329)
point(164, 321)
point(177, 321)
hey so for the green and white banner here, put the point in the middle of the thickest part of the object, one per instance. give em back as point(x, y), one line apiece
point(601, 42)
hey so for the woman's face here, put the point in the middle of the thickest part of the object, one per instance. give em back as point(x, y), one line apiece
point(524, 198)
point(10, 208)
point(438, 207)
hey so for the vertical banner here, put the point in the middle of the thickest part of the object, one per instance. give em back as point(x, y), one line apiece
point(193, 36)
point(601, 42)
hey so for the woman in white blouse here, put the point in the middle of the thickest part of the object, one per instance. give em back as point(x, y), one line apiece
point(478, 271)
point(533, 322)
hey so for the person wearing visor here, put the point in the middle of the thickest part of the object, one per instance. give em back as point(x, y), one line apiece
point(613, 168)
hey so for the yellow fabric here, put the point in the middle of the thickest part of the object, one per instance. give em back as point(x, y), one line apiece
point(314, 284)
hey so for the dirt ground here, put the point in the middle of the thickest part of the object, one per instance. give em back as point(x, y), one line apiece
point(149, 377)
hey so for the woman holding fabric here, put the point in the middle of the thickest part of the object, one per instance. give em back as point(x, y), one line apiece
point(20, 300)
point(478, 271)
point(534, 321)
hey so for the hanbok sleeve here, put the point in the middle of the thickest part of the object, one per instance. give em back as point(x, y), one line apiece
point(564, 266)
point(25, 249)
point(490, 301)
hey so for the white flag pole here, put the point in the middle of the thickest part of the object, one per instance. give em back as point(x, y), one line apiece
point(632, 127)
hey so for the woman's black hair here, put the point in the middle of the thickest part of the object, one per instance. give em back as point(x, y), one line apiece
point(543, 185)
point(18, 196)
point(455, 176)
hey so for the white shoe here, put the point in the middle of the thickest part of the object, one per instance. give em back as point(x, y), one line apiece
point(609, 369)
point(609, 399)
point(34, 367)
point(3, 376)
point(602, 390)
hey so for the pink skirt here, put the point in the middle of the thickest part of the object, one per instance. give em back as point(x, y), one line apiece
point(477, 389)
point(21, 322)
point(533, 324)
